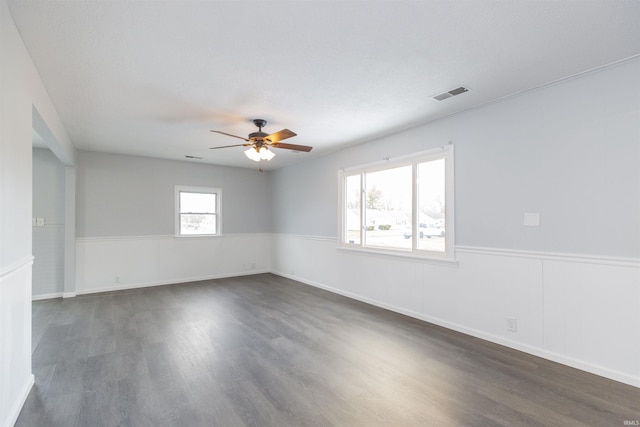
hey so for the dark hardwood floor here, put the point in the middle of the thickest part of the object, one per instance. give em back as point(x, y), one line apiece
point(266, 351)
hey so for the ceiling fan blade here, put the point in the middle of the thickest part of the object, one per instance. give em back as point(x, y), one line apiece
point(228, 134)
point(227, 146)
point(281, 135)
point(295, 147)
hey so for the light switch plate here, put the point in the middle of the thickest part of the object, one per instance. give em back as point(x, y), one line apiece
point(532, 219)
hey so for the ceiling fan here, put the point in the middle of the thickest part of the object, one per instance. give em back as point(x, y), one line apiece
point(259, 143)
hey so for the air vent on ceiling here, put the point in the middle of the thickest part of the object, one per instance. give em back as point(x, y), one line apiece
point(452, 92)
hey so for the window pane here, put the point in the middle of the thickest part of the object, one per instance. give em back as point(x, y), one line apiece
point(388, 208)
point(197, 203)
point(431, 206)
point(353, 195)
point(197, 224)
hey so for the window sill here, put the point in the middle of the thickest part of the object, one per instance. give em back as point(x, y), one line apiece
point(409, 256)
point(187, 236)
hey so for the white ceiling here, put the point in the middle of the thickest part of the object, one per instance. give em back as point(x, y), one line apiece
point(151, 78)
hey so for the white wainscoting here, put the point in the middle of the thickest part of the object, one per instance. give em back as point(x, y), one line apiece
point(16, 379)
point(106, 264)
point(582, 311)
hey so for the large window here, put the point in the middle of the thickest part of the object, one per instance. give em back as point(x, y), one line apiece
point(197, 211)
point(402, 205)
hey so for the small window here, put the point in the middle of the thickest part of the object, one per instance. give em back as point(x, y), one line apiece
point(197, 211)
point(403, 205)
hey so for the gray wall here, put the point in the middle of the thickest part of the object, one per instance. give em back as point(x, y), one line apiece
point(569, 151)
point(48, 186)
point(48, 241)
point(134, 196)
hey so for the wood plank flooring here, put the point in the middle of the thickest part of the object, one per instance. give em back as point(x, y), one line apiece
point(267, 351)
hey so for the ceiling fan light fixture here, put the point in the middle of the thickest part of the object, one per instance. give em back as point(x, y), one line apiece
point(259, 153)
point(253, 154)
point(266, 154)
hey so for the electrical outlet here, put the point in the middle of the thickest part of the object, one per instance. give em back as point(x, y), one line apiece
point(116, 279)
point(512, 324)
point(40, 222)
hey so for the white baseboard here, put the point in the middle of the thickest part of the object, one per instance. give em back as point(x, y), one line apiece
point(167, 282)
point(22, 398)
point(53, 295)
point(47, 296)
point(536, 351)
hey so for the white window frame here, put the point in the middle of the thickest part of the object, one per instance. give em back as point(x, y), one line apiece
point(445, 153)
point(206, 190)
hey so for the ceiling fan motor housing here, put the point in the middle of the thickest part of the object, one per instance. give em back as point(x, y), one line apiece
point(258, 136)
